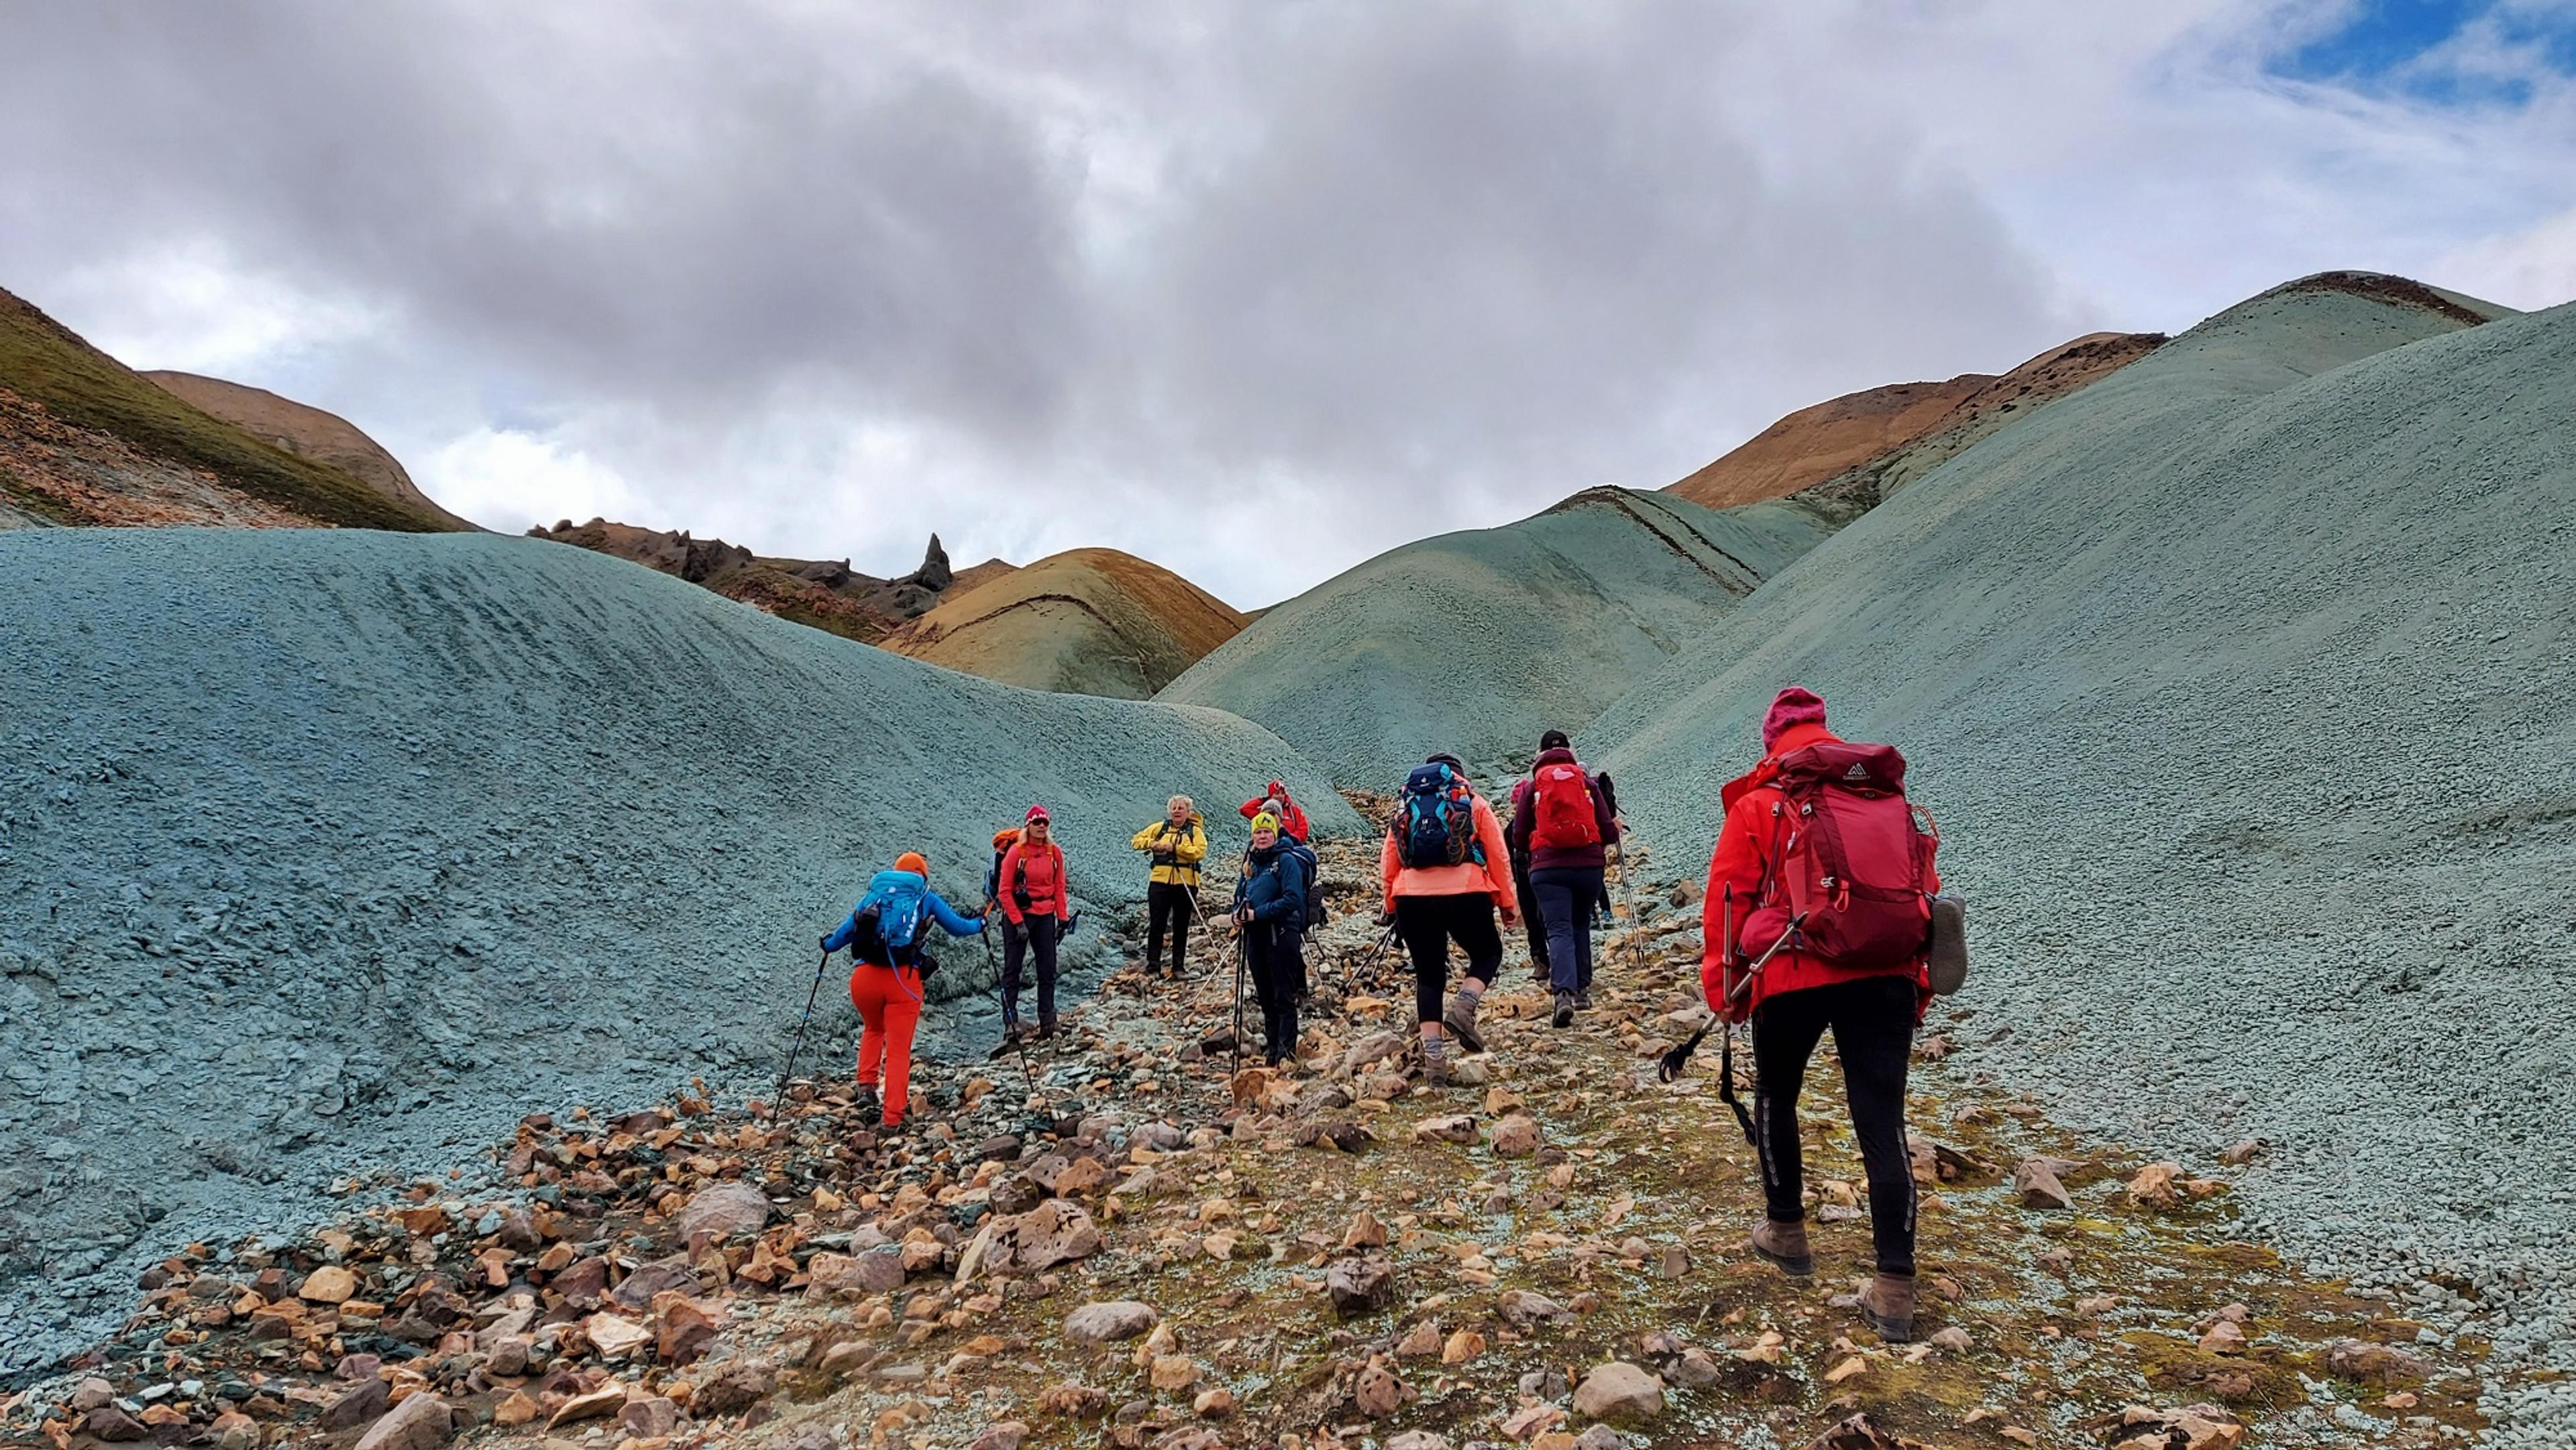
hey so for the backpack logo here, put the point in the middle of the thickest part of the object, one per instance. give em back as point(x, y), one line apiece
point(1565, 818)
point(1858, 771)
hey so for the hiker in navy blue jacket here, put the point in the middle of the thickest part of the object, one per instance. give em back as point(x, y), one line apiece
point(1270, 912)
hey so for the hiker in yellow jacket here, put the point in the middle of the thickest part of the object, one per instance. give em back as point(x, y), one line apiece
point(1176, 844)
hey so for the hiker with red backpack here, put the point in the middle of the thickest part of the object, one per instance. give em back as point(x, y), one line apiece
point(1445, 872)
point(884, 934)
point(1292, 816)
point(1819, 916)
point(1036, 907)
point(1562, 819)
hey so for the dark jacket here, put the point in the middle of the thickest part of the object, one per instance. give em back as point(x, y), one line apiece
point(1525, 820)
point(1274, 885)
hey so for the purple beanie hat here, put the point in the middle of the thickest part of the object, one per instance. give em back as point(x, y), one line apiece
point(1796, 705)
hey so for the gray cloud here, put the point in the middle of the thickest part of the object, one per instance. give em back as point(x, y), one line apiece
point(1256, 291)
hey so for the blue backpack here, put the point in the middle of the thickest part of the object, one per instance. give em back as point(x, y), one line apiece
point(886, 924)
point(1435, 822)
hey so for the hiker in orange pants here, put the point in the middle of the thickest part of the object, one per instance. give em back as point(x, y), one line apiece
point(884, 935)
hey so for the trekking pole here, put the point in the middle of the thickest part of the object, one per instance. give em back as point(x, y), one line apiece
point(1385, 939)
point(1030, 1078)
point(793, 1052)
point(1673, 1062)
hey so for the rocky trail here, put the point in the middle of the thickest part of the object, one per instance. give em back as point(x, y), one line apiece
point(1137, 1244)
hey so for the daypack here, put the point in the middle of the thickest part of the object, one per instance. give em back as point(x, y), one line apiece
point(886, 928)
point(1435, 822)
point(1003, 841)
point(1852, 861)
point(1305, 855)
point(1562, 799)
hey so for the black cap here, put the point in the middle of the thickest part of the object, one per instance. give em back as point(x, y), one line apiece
point(1555, 740)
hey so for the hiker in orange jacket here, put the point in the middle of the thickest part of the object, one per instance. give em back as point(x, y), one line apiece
point(1432, 902)
point(1036, 903)
point(1792, 1001)
point(1292, 816)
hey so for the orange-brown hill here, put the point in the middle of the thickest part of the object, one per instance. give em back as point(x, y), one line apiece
point(1904, 428)
point(1085, 622)
point(826, 594)
point(306, 431)
point(86, 440)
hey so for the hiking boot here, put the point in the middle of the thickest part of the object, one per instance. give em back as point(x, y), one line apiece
point(1435, 1071)
point(1046, 1025)
point(1564, 1009)
point(865, 1105)
point(1784, 1247)
point(1889, 1305)
point(1583, 999)
point(1460, 1020)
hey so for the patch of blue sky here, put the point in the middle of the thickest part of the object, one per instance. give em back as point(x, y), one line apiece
point(2443, 52)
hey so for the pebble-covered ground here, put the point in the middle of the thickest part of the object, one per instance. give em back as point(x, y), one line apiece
point(2240, 684)
point(326, 851)
point(1151, 1248)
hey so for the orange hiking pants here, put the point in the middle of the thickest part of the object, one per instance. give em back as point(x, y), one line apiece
point(889, 1003)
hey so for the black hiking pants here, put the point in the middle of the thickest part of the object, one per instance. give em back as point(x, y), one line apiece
point(1428, 924)
point(1034, 937)
point(1168, 904)
point(1277, 958)
point(1873, 1026)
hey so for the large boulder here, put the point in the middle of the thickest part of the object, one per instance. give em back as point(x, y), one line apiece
point(723, 1211)
point(1619, 1391)
point(1052, 1233)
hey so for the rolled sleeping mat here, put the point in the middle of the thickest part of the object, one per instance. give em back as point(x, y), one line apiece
point(1948, 959)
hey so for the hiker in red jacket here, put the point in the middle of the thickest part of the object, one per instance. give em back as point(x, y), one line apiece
point(1850, 958)
point(1563, 823)
point(1035, 907)
point(1292, 816)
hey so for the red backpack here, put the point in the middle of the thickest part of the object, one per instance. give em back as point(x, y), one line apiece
point(1562, 797)
point(1852, 861)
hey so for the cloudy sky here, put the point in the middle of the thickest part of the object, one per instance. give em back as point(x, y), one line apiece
point(1254, 290)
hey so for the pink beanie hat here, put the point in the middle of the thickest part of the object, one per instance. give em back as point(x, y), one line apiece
point(1796, 705)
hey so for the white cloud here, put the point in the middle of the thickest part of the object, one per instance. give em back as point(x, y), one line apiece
point(1254, 291)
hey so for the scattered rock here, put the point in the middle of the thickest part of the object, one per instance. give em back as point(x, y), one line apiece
point(1461, 1347)
point(1016, 1194)
point(1861, 1433)
point(2154, 1186)
point(1173, 1372)
point(1526, 1311)
point(1600, 1437)
point(1419, 1440)
point(1073, 1402)
point(2037, 1182)
point(1365, 1232)
point(1677, 1261)
point(421, 1422)
point(650, 1418)
point(614, 1337)
point(1005, 1435)
point(1375, 1048)
point(1953, 1339)
point(1213, 1404)
point(111, 1424)
point(1422, 1341)
point(1447, 1128)
point(2382, 1365)
point(1516, 1136)
point(2223, 1337)
point(360, 1405)
point(2195, 1427)
point(722, 1211)
point(329, 1284)
point(1360, 1286)
point(1052, 1233)
point(1619, 1391)
point(596, 1404)
point(2244, 1152)
point(1377, 1392)
point(1109, 1322)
